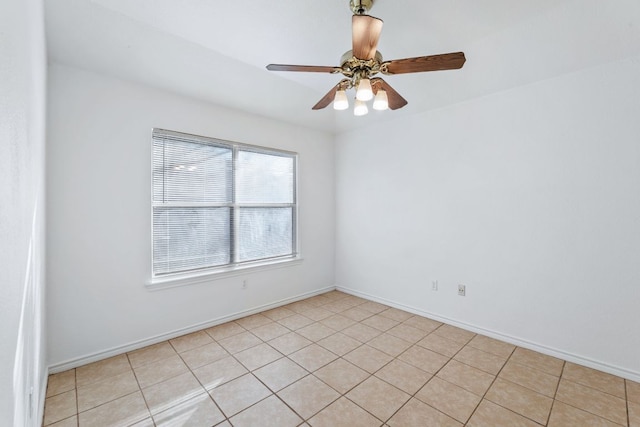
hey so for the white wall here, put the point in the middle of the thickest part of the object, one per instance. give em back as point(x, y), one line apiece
point(99, 215)
point(22, 103)
point(529, 197)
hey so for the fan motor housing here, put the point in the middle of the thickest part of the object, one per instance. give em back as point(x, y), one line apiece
point(360, 7)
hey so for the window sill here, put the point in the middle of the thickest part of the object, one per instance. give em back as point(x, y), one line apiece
point(176, 280)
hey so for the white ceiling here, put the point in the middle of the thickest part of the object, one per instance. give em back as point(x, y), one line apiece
point(217, 50)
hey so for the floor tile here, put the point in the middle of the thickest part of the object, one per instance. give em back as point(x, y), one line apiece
point(162, 396)
point(295, 322)
point(308, 396)
point(67, 422)
point(225, 330)
point(312, 357)
point(531, 378)
point(480, 359)
point(278, 313)
point(157, 372)
point(563, 415)
point(520, 400)
point(147, 422)
point(418, 414)
point(300, 306)
point(344, 413)
point(356, 314)
point(449, 398)
point(196, 412)
point(204, 355)
point(455, 334)
point(239, 342)
point(424, 359)
point(239, 394)
point(373, 307)
point(61, 382)
point(422, 323)
point(407, 333)
point(219, 372)
point(634, 414)
point(270, 412)
point(253, 321)
point(339, 344)
point(280, 374)
point(103, 391)
point(378, 397)
point(441, 345)
point(59, 407)
point(591, 400)
point(190, 341)
point(270, 331)
point(467, 377)
point(389, 344)
point(124, 411)
point(337, 322)
point(595, 379)
point(150, 354)
point(258, 356)
point(337, 307)
point(380, 322)
point(315, 331)
point(493, 346)
point(404, 376)
point(633, 391)
point(538, 361)
point(341, 375)
point(395, 314)
point(488, 414)
point(362, 333)
point(368, 358)
point(102, 369)
point(318, 314)
point(289, 343)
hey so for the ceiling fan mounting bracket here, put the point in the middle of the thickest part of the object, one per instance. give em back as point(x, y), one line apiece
point(360, 7)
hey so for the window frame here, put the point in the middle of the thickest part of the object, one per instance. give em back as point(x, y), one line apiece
point(235, 267)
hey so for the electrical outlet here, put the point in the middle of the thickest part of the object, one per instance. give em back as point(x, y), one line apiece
point(462, 290)
point(434, 285)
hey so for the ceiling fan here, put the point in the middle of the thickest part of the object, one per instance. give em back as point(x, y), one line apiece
point(364, 61)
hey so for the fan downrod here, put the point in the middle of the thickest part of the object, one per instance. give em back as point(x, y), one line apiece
point(360, 7)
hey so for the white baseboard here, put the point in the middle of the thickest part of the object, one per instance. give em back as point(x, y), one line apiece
point(94, 357)
point(560, 354)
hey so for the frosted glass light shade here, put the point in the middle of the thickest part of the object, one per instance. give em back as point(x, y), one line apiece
point(340, 101)
point(382, 101)
point(364, 92)
point(360, 108)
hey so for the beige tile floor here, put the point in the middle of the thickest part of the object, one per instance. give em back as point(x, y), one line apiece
point(338, 360)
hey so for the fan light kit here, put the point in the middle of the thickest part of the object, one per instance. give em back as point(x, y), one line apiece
point(363, 61)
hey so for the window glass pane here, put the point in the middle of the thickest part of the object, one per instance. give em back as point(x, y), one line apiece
point(190, 238)
point(264, 233)
point(264, 178)
point(191, 172)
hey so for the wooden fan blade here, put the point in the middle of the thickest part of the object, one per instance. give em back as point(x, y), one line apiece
point(328, 98)
point(395, 99)
point(447, 61)
point(365, 33)
point(303, 68)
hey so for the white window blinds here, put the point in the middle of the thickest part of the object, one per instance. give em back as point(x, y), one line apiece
point(217, 203)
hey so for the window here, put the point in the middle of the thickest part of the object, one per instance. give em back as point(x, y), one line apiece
point(219, 204)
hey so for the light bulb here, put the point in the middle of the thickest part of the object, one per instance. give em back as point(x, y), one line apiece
point(364, 92)
point(360, 108)
point(381, 102)
point(340, 101)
